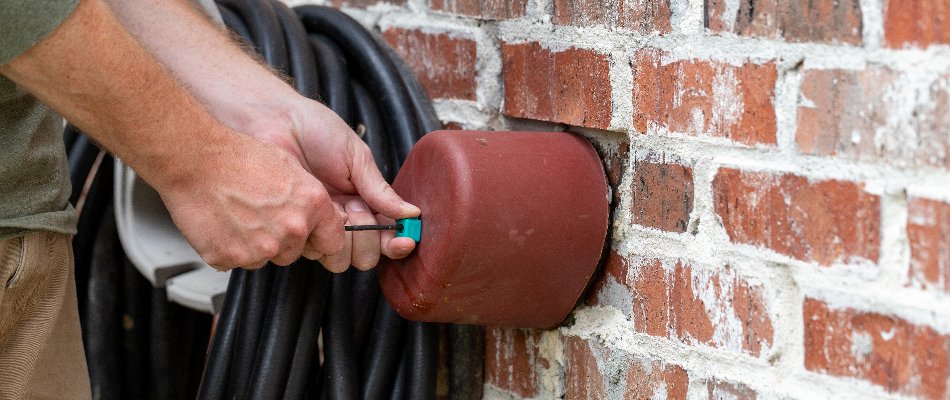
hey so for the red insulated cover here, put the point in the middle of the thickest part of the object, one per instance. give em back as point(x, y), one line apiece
point(513, 227)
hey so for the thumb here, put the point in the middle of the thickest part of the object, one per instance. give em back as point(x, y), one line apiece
point(381, 197)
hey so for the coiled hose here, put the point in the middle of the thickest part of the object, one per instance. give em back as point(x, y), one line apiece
point(266, 344)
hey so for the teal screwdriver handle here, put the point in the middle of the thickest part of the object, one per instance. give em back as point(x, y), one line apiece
point(406, 227)
point(411, 228)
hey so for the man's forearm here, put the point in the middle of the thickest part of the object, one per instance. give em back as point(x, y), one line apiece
point(91, 70)
point(233, 86)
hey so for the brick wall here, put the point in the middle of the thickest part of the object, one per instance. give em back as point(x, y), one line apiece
point(781, 182)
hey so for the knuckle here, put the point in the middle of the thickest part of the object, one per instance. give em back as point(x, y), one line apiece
point(268, 248)
point(318, 196)
point(296, 227)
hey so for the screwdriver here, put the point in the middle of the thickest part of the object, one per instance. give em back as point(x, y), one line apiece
point(353, 228)
point(406, 227)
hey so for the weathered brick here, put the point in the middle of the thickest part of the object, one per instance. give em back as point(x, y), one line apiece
point(823, 221)
point(641, 379)
point(662, 194)
point(888, 351)
point(916, 22)
point(705, 98)
point(640, 16)
point(484, 9)
point(511, 360)
point(444, 64)
point(716, 308)
point(722, 390)
point(570, 86)
point(795, 21)
point(929, 235)
point(583, 379)
point(611, 283)
point(853, 114)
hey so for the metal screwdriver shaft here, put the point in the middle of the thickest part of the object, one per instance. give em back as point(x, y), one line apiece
point(393, 227)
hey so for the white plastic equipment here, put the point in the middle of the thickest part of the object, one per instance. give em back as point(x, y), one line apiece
point(158, 250)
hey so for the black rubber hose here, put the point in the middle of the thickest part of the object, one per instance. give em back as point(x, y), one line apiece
point(301, 57)
point(334, 77)
point(70, 135)
point(306, 362)
point(370, 127)
point(136, 323)
point(423, 345)
point(81, 158)
point(254, 305)
point(102, 333)
point(97, 201)
point(365, 293)
point(163, 357)
point(374, 69)
point(383, 353)
point(401, 385)
point(265, 29)
point(215, 379)
point(339, 354)
point(277, 351)
point(235, 23)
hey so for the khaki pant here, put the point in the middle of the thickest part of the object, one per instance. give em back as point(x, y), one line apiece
point(41, 354)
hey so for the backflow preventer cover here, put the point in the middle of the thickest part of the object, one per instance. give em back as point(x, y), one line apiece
point(513, 227)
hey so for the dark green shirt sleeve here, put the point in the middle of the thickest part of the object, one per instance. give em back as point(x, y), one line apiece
point(23, 23)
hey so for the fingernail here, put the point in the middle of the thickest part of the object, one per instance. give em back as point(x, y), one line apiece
point(410, 207)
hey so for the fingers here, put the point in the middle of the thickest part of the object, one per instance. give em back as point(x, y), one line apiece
point(373, 188)
point(340, 261)
point(327, 236)
point(392, 246)
point(366, 244)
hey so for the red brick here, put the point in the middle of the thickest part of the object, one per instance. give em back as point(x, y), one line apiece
point(842, 110)
point(646, 380)
point(852, 114)
point(483, 9)
point(640, 16)
point(714, 308)
point(662, 194)
point(570, 86)
point(511, 360)
point(613, 272)
point(916, 22)
point(824, 221)
point(705, 98)
point(582, 375)
point(721, 390)
point(445, 65)
point(795, 21)
point(643, 379)
point(888, 351)
point(451, 126)
point(929, 235)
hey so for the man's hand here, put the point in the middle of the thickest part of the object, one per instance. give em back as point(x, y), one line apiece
point(333, 153)
point(247, 98)
point(239, 201)
point(257, 204)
